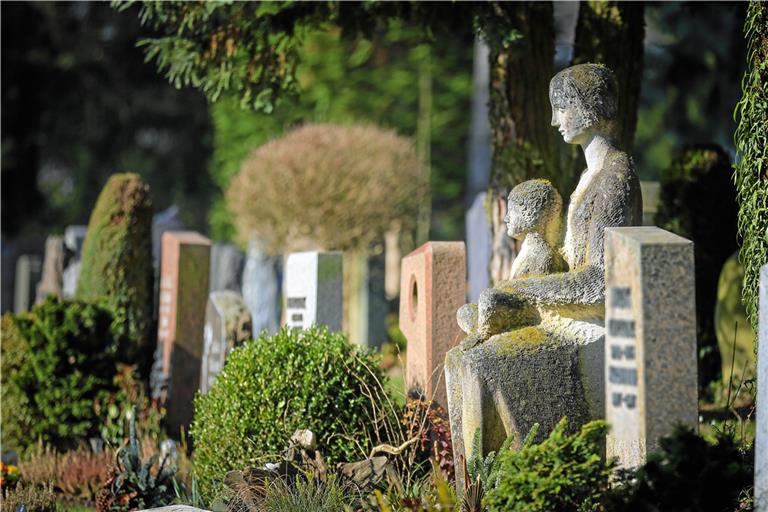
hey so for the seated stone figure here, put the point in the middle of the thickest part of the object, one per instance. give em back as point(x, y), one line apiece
point(533, 216)
point(534, 351)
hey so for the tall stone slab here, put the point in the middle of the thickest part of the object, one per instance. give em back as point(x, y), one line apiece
point(478, 247)
point(313, 289)
point(650, 346)
point(53, 269)
point(227, 262)
point(28, 271)
point(184, 270)
point(261, 289)
point(227, 325)
point(432, 289)
point(761, 434)
point(74, 238)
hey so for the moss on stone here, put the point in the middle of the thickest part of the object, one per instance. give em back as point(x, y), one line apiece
point(117, 258)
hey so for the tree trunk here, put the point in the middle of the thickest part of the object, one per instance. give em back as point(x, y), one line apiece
point(612, 33)
point(524, 145)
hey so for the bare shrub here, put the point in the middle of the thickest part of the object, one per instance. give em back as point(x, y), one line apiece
point(327, 186)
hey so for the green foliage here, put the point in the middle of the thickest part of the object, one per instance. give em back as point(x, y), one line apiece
point(686, 474)
point(70, 353)
point(136, 484)
point(751, 141)
point(271, 386)
point(17, 417)
point(301, 494)
point(117, 258)
point(563, 473)
point(698, 202)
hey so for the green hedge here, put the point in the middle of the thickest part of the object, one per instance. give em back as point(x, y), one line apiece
point(117, 259)
point(58, 360)
point(270, 387)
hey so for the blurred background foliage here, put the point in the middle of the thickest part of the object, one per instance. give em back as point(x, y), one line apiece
point(79, 103)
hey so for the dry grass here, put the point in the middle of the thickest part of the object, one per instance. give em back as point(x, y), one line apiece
point(327, 186)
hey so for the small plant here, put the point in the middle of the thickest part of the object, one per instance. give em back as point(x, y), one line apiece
point(9, 476)
point(29, 499)
point(136, 484)
point(687, 473)
point(564, 473)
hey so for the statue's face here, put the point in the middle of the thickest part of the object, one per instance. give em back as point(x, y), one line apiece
point(571, 124)
point(518, 224)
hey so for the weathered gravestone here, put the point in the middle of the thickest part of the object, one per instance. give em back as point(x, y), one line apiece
point(74, 237)
point(28, 270)
point(313, 289)
point(227, 325)
point(365, 317)
point(432, 289)
point(761, 434)
point(650, 348)
point(261, 290)
point(53, 269)
point(227, 262)
point(184, 269)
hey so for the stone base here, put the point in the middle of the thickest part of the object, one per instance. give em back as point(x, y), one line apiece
point(514, 380)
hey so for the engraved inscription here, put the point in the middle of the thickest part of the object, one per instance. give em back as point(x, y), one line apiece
point(296, 302)
point(626, 376)
point(621, 298)
point(629, 399)
point(297, 317)
point(618, 352)
point(621, 328)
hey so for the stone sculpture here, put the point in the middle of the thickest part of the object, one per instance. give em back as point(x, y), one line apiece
point(535, 343)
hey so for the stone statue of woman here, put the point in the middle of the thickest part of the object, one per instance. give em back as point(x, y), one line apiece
point(534, 350)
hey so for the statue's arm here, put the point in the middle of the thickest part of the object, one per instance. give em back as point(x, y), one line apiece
point(616, 203)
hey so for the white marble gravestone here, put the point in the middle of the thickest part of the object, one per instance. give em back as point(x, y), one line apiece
point(313, 290)
point(650, 340)
point(761, 434)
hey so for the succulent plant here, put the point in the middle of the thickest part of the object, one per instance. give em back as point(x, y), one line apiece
point(135, 484)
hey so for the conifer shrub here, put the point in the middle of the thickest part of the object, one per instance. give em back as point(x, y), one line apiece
point(64, 356)
point(117, 259)
point(269, 387)
point(565, 472)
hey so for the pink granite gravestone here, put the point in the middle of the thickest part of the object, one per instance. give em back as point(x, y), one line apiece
point(432, 289)
point(184, 268)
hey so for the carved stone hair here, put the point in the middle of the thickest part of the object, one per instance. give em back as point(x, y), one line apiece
point(588, 88)
point(538, 198)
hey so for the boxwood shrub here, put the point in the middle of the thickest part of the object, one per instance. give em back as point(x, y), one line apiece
point(271, 386)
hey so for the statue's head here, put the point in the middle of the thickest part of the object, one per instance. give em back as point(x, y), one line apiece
point(533, 206)
point(583, 101)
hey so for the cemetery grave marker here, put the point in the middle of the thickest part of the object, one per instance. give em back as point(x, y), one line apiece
point(28, 270)
point(650, 345)
point(184, 272)
point(313, 290)
point(260, 288)
point(761, 430)
point(432, 289)
point(227, 325)
point(227, 262)
point(53, 269)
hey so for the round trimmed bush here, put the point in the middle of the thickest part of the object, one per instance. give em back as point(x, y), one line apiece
point(273, 385)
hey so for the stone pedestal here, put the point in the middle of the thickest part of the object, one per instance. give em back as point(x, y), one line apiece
point(761, 434)
point(313, 290)
point(184, 269)
point(227, 325)
point(432, 289)
point(650, 349)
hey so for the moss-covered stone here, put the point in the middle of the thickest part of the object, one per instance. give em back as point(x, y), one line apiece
point(117, 258)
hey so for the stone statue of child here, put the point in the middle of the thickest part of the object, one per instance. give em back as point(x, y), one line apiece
point(535, 353)
point(534, 210)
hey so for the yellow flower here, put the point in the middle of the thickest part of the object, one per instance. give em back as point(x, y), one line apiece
point(12, 471)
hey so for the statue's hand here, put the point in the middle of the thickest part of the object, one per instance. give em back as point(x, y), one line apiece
point(466, 317)
point(500, 311)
